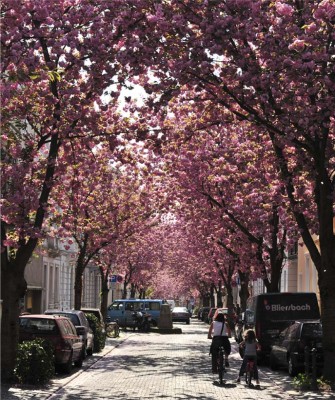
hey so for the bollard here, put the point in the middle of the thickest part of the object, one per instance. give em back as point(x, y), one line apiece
point(165, 318)
point(314, 383)
point(306, 351)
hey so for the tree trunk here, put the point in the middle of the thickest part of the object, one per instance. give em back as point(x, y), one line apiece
point(78, 288)
point(80, 267)
point(327, 285)
point(124, 291)
point(104, 294)
point(219, 295)
point(230, 305)
point(212, 299)
point(244, 291)
point(205, 300)
point(132, 291)
point(13, 287)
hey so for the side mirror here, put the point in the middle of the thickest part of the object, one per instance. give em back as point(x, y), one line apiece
point(81, 331)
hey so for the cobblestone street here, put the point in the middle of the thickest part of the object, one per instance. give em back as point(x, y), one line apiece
point(157, 366)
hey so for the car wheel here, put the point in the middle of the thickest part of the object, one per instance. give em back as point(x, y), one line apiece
point(188, 322)
point(89, 352)
point(83, 352)
point(68, 366)
point(292, 370)
point(79, 363)
point(273, 362)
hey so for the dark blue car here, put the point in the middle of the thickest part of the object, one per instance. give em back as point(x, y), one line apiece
point(289, 350)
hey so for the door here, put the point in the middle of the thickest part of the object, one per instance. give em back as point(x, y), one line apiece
point(116, 312)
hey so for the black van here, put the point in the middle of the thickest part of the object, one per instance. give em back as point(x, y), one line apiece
point(270, 313)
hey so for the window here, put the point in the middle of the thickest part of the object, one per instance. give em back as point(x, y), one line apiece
point(311, 330)
point(116, 306)
point(68, 328)
point(38, 325)
point(83, 320)
point(153, 305)
point(56, 287)
point(291, 332)
point(50, 286)
point(138, 306)
point(45, 286)
point(307, 272)
point(74, 318)
point(129, 306)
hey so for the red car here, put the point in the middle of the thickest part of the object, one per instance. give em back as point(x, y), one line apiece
point(214, 311)
point(58, 330)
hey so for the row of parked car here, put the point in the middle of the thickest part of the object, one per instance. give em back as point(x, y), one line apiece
point(69, 332)
point(206, 314)
point(288, 348)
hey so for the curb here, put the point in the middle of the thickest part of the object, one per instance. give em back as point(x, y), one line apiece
point(166, 331)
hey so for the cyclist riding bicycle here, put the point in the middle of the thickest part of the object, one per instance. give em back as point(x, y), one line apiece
point(251, 346)
point(219, 332)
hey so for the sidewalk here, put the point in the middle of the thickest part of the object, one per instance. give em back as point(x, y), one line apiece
point(155, 366)
point(29, 392)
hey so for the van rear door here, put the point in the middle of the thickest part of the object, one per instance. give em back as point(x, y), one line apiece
point(116, 312)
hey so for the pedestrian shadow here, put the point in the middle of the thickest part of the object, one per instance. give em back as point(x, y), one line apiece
point(225, 385)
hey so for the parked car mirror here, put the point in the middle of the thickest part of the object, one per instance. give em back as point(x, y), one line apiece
point(80, 330)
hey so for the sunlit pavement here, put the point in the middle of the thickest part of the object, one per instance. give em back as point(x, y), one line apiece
point(160, 366)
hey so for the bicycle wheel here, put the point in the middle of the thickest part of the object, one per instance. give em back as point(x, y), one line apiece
point(110, 330)
point(220, 365)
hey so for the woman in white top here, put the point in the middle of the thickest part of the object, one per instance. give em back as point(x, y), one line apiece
point(219, 332)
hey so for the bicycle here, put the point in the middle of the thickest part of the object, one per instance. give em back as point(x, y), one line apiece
point(220, 364)
point(113, 329)
point(249, 372)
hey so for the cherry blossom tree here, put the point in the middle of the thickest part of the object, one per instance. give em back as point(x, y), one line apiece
point(59, 61)
point(271, 64)
point(162, 260)
point(243, 184)
point(100, 200)
point(104, 260)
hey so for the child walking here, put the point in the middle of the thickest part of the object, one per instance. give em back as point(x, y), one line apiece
point(251, 346)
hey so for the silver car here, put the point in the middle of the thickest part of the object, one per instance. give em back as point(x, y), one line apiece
point(181, 314)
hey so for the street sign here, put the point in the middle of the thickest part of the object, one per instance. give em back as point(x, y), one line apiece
point(116, 279)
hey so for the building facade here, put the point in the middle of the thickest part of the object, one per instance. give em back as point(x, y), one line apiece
point(50, 277)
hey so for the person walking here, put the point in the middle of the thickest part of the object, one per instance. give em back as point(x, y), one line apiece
point(220, 332)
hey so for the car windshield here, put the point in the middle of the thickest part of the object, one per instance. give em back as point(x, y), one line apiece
point(312, 330)
point(180, 309)
point(73, 317)
point(37, 325)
